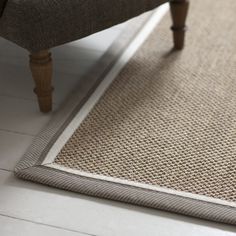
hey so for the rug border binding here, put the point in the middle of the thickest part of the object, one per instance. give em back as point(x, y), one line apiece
point(141, 185)
point(130, 194)
point(31, 168)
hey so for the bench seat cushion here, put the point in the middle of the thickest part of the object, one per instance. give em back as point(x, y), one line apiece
point(42, 24)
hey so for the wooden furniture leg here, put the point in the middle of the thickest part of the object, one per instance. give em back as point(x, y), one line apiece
point(41, 68)
point(179, 11)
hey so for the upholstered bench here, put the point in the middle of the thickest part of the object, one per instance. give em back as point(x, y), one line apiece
point(38, 25)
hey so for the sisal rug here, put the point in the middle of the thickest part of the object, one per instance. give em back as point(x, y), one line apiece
point(163, 134)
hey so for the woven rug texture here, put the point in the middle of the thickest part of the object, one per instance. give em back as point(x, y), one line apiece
point(169, 118)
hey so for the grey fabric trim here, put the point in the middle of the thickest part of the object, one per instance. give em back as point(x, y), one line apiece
point(37, 25)
point(129, 194)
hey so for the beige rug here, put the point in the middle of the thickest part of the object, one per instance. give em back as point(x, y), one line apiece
point(163, 135)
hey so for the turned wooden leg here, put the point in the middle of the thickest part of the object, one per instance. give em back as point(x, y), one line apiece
point(41, 68)
point(179, 11)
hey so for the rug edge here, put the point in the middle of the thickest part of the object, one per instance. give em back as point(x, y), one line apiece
point(34, 171)
point(129, 194)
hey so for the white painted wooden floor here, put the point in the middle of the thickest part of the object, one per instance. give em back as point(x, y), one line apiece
point(32, 209)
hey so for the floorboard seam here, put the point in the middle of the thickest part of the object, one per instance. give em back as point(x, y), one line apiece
point(16, 132)
point(6, 170)
point(47, 225)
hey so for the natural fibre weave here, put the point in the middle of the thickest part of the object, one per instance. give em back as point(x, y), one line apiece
point(169, 118)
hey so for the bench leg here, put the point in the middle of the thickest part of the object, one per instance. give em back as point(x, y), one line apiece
point(179, 11)
point(41, 68)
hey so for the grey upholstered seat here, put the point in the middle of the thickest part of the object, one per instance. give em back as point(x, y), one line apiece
point(41, 24)
point(38, 25)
